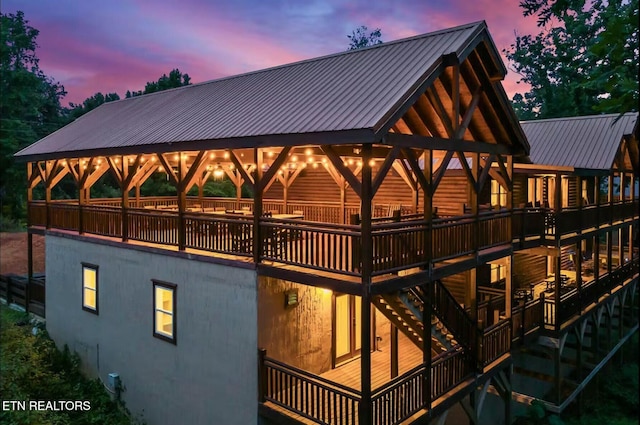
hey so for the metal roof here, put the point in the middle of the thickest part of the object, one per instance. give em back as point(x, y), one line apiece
point(589, 142)
point(350, 93)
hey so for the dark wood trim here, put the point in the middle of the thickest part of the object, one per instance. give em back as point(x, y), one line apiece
point(269, 175)
point(174, 313)
point(144, 248)
point(95, 268)
point(310, 279)
point(445, 144)
point(344, 171)
point(341, 137)
point(384, 169)
point(438, 174)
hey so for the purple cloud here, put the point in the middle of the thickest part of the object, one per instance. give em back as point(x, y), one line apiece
point(120, 45)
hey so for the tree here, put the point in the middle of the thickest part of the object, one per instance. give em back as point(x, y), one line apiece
point(29, 106)
point(77, 110)
point(585, 60)
point(360, 38)
point(175, 79)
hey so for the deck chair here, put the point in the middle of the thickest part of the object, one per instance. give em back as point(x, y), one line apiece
point(393, 208)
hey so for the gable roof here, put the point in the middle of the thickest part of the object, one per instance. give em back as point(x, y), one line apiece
point(587, 142)
point(345, 97)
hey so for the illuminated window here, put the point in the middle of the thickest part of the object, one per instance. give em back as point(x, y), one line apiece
point(90, 288)
point(498, 194)
point(498, 273)
point(164, 310)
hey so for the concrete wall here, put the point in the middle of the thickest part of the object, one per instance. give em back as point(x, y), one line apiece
point(209, 376)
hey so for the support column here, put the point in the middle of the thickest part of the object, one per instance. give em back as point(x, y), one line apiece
point(394, 350)
point(125, 199)
point(366, 408)
point(258, 192)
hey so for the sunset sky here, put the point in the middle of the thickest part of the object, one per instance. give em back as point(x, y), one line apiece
point(119, 45)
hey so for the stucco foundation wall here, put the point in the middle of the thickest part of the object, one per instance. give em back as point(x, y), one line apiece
point(208, 377)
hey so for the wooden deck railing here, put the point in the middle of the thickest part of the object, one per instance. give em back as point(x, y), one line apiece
point(25, 292)
point(155, 226)
point(321, 246)
point(571, 220)
point(400, 398)
point(526, 318)
point(63, 216)
point(306, 394)
point(327, 402)
point(454, 317)
point(397, 245)
point(574, 301)
point(496, 342)
point(449, 370)
point(105, 221)
point(37, 213)
point(222, 234)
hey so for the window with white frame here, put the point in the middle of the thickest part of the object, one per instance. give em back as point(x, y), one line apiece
point(90, 287)
point(164, 310)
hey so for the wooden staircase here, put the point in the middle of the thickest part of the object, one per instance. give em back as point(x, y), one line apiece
point(451, 325)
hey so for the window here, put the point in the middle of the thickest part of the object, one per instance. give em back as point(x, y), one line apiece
point(164, 310)
point(90, 288)
point(498, 194)
point(498, 273)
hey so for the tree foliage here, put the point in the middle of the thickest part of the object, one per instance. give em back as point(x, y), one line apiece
point(29, 105)
point(583, 61)
point(90, 103)
point(362, 37)
point(175, 79)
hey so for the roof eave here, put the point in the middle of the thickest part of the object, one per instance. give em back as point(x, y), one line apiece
point(356, 136)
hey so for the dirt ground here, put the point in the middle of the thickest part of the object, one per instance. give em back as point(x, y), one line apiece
point(13, 253)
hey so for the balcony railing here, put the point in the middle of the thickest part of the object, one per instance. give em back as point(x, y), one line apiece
point(326, 246)
point(327, 402)
point(571, 220)
point(574, 301)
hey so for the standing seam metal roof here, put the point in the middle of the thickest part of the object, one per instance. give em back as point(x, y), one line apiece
point(345, 91)
point(589, 142)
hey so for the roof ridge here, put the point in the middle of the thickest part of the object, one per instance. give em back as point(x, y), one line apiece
point(579, 117)
point(318, 58)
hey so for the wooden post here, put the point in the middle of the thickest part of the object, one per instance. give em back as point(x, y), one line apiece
point(507, 287)
point(182, 201)
point(366, 413)
point(557, 364)
point(427, 288)
point(394, 350)
point(125, 198)
point(262, 376)
point(258, 192)
point(579, 274)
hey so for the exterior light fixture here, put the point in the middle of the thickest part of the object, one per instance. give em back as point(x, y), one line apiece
point(308, 151)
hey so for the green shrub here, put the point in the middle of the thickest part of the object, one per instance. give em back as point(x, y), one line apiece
point(32, 368)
